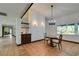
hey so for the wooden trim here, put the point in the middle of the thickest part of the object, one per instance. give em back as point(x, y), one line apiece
point(0, 36)
point(2, 31)
point(25, 23)
point(66, 40)
point(24, 27)
point(62, 40)
point(27, 10)
point(37, 40)
point(71, 41)
point(19, 44)
point(43, 39)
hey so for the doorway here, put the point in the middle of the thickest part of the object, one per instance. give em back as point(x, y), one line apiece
point(7, 31)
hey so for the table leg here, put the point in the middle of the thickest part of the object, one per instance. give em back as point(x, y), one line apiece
point(51, 43)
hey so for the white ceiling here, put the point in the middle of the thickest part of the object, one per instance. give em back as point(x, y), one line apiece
point(59, 9)
point(13, 9)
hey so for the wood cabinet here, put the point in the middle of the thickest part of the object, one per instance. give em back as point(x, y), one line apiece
point(25, 38)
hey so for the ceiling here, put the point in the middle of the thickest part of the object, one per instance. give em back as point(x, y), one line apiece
point(59, 9)
point(13, 9)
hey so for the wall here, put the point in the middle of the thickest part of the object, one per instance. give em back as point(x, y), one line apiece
point(68, 19)
point(37, 26)
point(6, 21)
point(15, 22)
point(25, 18)
point(71, 37)
point(74, 18)
point(0, 30)
point(18, 31)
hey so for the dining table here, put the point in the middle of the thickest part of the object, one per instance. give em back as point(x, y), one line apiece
point(51, 40)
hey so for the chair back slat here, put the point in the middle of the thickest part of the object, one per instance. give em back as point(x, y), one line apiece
point(60, 38)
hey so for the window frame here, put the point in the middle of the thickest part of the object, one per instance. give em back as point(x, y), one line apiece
point(66, 29)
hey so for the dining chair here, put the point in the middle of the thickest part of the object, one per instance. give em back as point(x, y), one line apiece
point(58, 42)
point(46, 40)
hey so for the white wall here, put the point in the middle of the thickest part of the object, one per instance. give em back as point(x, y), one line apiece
point(18, 31)
point(15, 22)
point(69, 19)
point(6, 21)
point(74, 18)
point(37, 26)
point(71, 37)
point(0, 30)
point(25, 18)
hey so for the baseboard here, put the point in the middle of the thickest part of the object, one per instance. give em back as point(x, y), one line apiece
point(19, 44)
point(0, 36)
point(37, 40)
point(71, 41)
point(14, 35)
point(62, 40)
point(43, 39)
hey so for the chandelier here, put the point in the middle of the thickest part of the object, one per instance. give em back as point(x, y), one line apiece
point(51, 20)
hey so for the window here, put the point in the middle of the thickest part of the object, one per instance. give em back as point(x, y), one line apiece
point(78, 28)
point(66, 29)
point(58, 29)
point(61, 29)
point(70, 29)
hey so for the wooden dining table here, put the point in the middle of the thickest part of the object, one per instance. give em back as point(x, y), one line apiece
point(51, 40)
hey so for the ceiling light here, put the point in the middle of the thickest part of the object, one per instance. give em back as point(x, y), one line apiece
point(51, 19)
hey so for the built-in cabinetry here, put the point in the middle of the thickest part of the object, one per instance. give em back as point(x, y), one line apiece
point(25, 36)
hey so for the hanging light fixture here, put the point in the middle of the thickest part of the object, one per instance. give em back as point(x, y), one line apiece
point(51, 20)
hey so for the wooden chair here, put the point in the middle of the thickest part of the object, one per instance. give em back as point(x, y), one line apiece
point(46, 40)
point(58, 42)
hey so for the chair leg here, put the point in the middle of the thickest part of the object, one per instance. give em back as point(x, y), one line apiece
point(44, 41)
point(59, 46)
point(47, 41)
